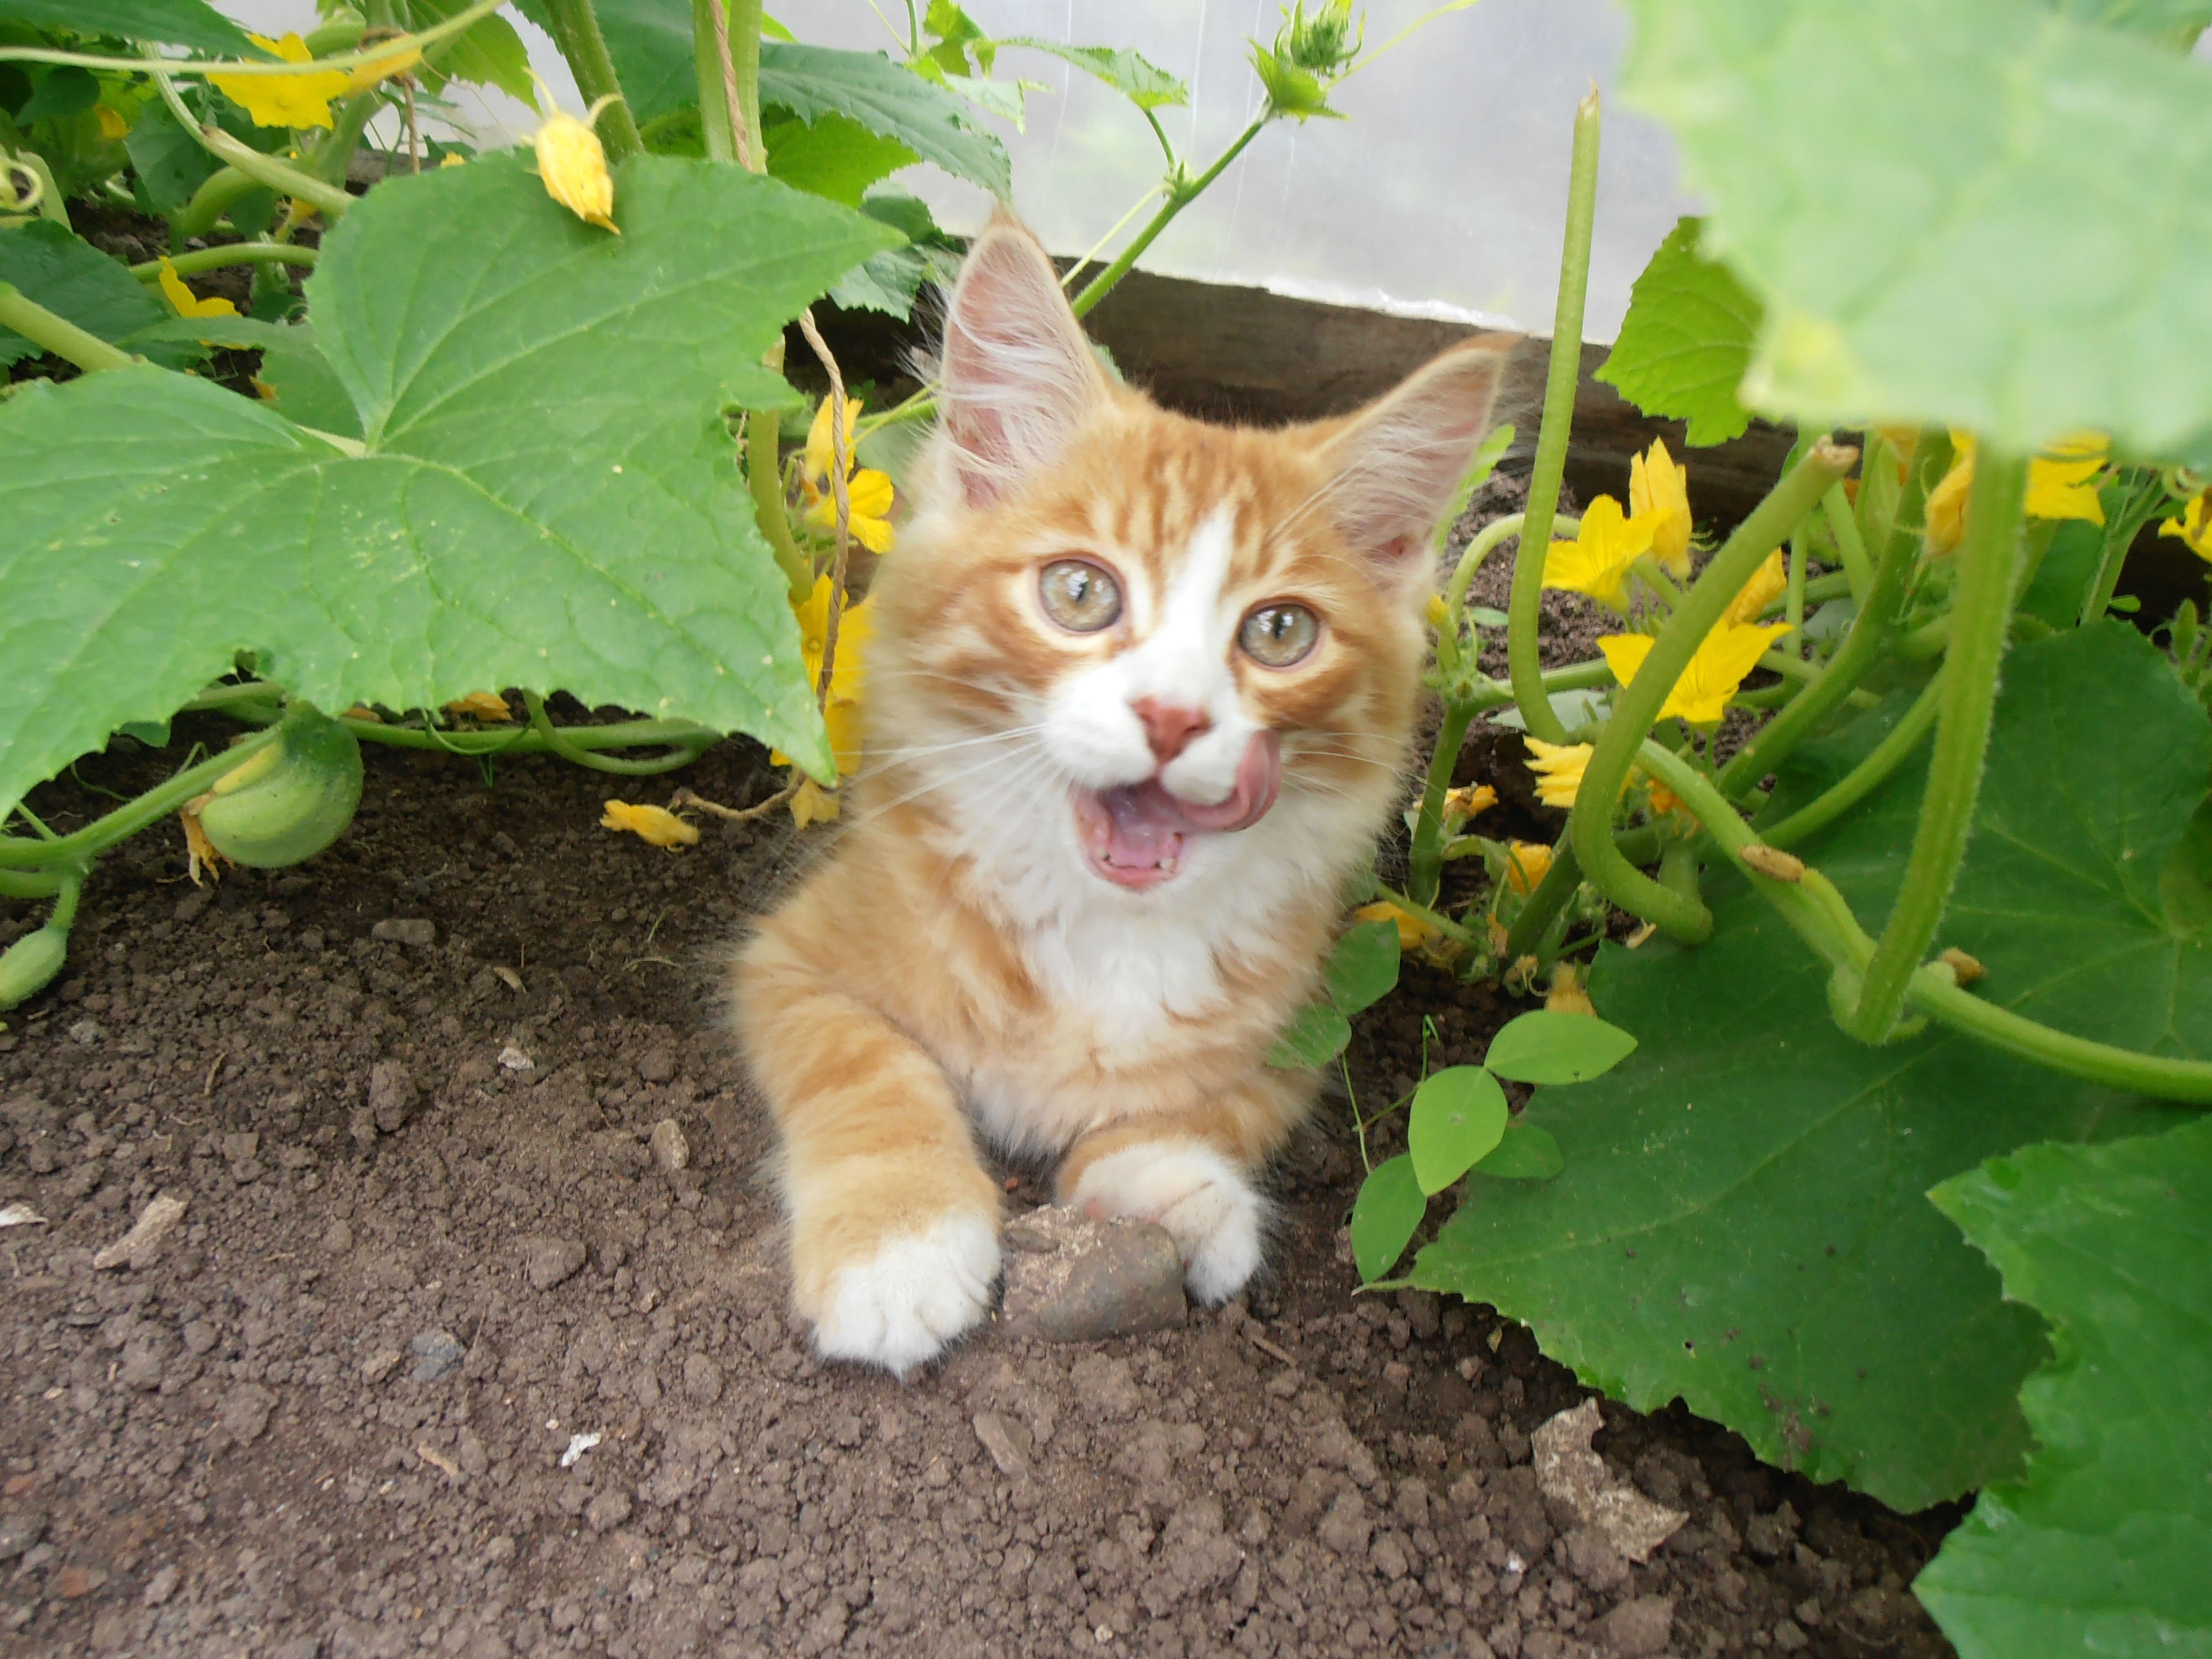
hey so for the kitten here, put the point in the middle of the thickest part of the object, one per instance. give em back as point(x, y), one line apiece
point(1139, 699)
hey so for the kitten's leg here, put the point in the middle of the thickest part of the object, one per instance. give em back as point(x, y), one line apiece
point(893, 1223)
point(1192, 1171)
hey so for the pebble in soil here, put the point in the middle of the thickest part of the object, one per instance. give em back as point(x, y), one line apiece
point(332, 1409)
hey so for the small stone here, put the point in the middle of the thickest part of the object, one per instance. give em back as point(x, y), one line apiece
point(1071, 1279)
point(1639, 1628)
point(391, 1095)
point(669, 1149)
point(405, 930)
point(245, 1411)
point(380, 1364)
point(1570, 1473)
point(142, 1245)
point(436, 1353)
point(1000, 1440)
point(85, 1031)
point(161, 1587)
point(609, 1508)
point(19, 1530)
point(500, 1551)
point(550, 1261)
point(657, 1065)
point(703, 1379)
point(337, 1237)
point(512, 1059)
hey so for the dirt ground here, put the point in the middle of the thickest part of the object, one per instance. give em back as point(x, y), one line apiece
point(427, 1245)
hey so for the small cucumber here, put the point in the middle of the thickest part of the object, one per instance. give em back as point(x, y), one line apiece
point(286, 802)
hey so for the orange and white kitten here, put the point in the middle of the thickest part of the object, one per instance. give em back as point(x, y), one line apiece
point(1140, 695)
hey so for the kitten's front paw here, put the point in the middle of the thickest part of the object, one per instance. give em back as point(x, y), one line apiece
point(1203, 1200)
point(901, 1306)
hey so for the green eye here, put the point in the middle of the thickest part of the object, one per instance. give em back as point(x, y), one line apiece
point(1078, 595)
point(1278, 634)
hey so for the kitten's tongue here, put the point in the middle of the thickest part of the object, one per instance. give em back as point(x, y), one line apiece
point(1135, 835)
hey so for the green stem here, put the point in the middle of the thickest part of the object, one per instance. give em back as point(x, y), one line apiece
point(1844, 525)
point(1181, 194)
point(163, 70)
point(1436, 918)
point(2119, 535)
point(1425, 871)
point(1560, 381)
point(1862, 779)
point(1862, 649)
point(1793, 592)
point(1981, 608)
point(233, 253)
point(77, 849)
point(562, 742)
point(715, 130)
point(745, 58)
point(335, 149)
point(57, 334)
point(329, 200)
point(575, 30)
point(209, 202)
point(1637, 708)
point(764, 478)
point(1544, 905)
point(30, 884)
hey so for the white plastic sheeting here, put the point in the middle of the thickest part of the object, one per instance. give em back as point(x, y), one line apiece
point(1442, 194)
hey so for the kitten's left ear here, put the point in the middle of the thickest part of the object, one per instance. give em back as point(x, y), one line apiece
point(1393, 465)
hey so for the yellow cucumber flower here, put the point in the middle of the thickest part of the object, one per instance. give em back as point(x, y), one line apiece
point(1768, 583)
point(1460, 805)
point(654, 824)
point(1723, 659)
point(1412, 932)
point(1659, 489)
point(486, 706)
point(286, 100)
point(1559, 768)
point(868, 491)
point(842, 713)
point(572, 166)
point(113, 126)
point(2193, 526)
point(188, 304)
point(2062, 484)
point(1567, 995)
point(396, 62)
point(1526, 863)
point(811, 804)
point(1597, 560)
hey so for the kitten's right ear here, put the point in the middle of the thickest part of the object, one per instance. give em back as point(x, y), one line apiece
point(1016, 376)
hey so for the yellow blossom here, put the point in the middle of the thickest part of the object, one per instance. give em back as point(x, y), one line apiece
point(113, 126)
point(811, 804)
point(1597, 560)
point(451, 160)
point(572, 166)
point(2062, 484)
point(362, 711)
point(1659, 489)
point(199, 852)
point(396, 62)
point(1724, 658)
point(487, 706)
point(1437, 611)
point(1664, 800)
point(1768, 583)
point(1460, 805)
point(1559, 768)
point(654, 824)
point(1567, 995)
point(1526, 863)
point(186, 303)
point(1412, 932)
point(2193, 526)
point(868, 491)
point(286, 100)
point(842, 713)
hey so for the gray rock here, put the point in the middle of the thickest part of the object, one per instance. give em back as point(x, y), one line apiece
point(19, 1530)
point(1639, 1628)
point(400, 930)
point(550, 1261)
point(1003, 1443)
point(669, 1149)
point(391, 1095)
point(1570, 1473)
point(142, 1246)
point(436, 1353)
point(1070, 1279)
point(161, 1587)
point(380, 1364)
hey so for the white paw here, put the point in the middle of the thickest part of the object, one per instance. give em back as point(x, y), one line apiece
point(901, 1307)
point(1202, 1199)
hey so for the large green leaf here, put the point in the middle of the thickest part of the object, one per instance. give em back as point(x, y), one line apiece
point(181, 22)
point(489, 51)
point(834, 157)
point(76, 280)
point(1686, 341)
point(1741, 1219)
point(889, 100)
point(1978, 212)
point(548, 498)
point(1143, 83)
point(2105, 1546)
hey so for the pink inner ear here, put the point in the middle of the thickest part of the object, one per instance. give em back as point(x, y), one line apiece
point(1398, 461)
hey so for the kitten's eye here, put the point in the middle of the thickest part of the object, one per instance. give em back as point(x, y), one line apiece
point(1078, 595)
point(1280, 635)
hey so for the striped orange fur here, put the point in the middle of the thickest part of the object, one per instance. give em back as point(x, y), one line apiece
point(1090, 875)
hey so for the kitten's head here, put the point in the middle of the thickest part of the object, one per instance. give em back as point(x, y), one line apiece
point(1121, 651)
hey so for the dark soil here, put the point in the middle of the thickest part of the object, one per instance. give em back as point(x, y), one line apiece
point(329, 1418)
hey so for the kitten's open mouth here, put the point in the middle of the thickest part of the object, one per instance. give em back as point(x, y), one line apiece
point(1136, 836)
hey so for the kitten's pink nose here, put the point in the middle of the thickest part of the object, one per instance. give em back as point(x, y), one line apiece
point(1169, 729)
